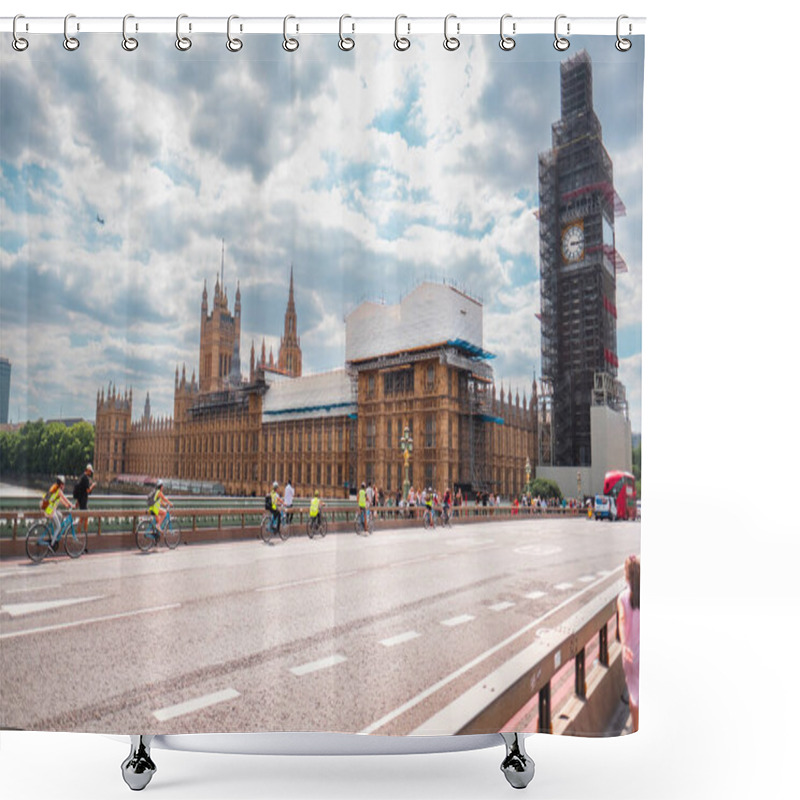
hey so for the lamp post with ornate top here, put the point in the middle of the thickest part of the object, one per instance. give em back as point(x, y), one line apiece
point(406, 447)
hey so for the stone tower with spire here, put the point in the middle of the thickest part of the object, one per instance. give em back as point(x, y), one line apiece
point(220, 333)
point(290, 357)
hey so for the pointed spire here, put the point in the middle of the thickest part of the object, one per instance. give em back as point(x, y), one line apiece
point(263, 350)
point(271, 358)
point(222, 267)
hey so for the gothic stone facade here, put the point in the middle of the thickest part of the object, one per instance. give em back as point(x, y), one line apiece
point(325, 432)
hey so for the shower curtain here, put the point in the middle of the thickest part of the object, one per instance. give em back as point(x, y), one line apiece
point(321, 383)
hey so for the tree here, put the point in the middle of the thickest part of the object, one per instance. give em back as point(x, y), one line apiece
point(637, 468)
point(545, 488)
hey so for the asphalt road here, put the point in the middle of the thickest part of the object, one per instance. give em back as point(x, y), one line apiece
point(348, 633)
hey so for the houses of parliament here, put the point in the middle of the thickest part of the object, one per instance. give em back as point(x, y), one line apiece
point(419, 364)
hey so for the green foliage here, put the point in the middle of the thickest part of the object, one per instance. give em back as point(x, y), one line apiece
point(545, 488)
point(46, 450)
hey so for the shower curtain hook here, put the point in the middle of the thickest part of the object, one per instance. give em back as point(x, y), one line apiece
point(623, 45)
point(70, 42)
point(289, 44)
point(18, 43)
point(128, 42)
point(401, 42)
point(234, 45)
point(506, 42)
point(451, 42)
point(345, 42)
point(561, 43)
point(183, 43)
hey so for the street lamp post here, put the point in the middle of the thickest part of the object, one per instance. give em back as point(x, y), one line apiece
point(527, 474)
point(406, 447)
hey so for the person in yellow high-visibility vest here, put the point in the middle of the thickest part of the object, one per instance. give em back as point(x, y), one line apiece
point(54, 497)
point(362, 504)
point(315, 509)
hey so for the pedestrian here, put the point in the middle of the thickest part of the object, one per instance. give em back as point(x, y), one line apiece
point(288, 500)
point(83, 488)
point(628, 610)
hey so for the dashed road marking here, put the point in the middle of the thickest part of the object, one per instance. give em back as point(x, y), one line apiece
point(453, 621)
point(501, 606)
point(586, 578)
point(536, 595)
point(314, 666)
point(401, 638)
point(562, 586)
point(21, 609)
point(170, 712)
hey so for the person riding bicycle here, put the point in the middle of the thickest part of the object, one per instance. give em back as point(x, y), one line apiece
point(362, 504)
point(158, 497)
point(52, 498)
point(315, 510)
point(446, 503)
point(429, 497)
point(275, 503)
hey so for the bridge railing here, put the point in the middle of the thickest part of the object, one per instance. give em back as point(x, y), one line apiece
point(15, 524)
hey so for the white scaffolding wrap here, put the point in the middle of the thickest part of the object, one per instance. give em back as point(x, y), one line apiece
point(326, 394)
point(431, 314)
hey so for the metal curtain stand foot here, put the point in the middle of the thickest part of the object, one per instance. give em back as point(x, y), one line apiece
point(518, 766)
point(138, 768)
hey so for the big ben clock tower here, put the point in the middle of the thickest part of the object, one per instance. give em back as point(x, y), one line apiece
point(579, 265)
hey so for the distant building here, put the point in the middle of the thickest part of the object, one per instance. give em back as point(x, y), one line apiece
point(419, 364)
point(5, 388)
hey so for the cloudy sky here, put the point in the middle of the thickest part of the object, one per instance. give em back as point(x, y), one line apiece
point(368, 170)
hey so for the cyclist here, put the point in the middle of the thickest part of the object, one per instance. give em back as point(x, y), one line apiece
point(428, 497)
point(54, 497)
point(362, 504)
point(446, 503)
point(158, 497)
point(315, 509)
point(275, 503)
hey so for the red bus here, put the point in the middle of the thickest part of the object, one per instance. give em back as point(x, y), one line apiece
point(621, 486)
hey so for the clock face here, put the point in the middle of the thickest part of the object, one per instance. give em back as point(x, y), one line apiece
point(572, 242)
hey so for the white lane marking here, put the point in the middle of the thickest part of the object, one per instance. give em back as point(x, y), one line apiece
point(63, 625)
point(501, 606)
point(33, 588)
point(535, 595)
point(20, 609)
point(562, 586)
point(538, 550)
point(453, 621)
point(431, 690)
point(586, 578)
point(170, 712)
point(401, 638)
point(314, 666)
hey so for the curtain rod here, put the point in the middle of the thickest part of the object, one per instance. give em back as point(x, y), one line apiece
point(513, 26)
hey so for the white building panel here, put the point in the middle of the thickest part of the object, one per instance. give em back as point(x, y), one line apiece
point(431, 314)
point(321, 395)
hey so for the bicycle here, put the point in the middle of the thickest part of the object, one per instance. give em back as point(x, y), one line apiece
point(428, 519)
point(148, 536)
point(317, 525)
point(361, 528)
point(269, 527)
point(445, 517)
point(39, 541)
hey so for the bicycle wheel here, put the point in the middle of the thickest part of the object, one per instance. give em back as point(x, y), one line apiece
point(172, 535)
point(265, 534)
point(322, 527)
point(427, 521)
point(36, 542)
point(310, 527)
point(284, 531)
point(145, 535)
point(74, 541)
